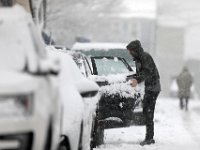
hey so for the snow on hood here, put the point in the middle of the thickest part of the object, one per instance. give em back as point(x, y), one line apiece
point(117, 85)
point(124, 90)
point(112, 78)
point(116, 78)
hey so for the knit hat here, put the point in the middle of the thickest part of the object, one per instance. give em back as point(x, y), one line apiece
point(133, 45)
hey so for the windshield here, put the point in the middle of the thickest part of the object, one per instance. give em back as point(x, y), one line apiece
point(123, 53)
point(107, 66)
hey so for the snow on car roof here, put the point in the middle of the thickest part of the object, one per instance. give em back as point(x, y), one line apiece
point(14, 13)
point(16, 41)
point(98, 46)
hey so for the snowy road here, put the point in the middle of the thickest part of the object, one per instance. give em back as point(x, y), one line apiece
point(174, 129)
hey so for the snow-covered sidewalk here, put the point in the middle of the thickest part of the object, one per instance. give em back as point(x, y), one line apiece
point(175, 129)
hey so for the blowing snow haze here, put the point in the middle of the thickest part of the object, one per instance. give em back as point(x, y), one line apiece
point(56, 97)
point(169, 30)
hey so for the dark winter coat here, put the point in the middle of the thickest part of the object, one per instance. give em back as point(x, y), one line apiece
point(184, 82)
point(146, 69)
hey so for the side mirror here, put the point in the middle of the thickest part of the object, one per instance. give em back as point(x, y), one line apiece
point(87, 88)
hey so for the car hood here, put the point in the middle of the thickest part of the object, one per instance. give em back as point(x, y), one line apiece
point(118, 85)
point(12, 82)
point(111, 79)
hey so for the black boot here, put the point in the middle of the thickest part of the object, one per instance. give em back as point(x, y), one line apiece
point(149, 134)
point(147, 142)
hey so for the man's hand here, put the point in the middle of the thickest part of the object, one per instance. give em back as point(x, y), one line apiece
point(134, 82)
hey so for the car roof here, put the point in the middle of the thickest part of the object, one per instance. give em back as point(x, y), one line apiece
point(98, 46)
point(19, 40)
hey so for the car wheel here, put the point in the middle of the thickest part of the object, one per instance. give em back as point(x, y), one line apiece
point(62, 147)
point(49, 138)
point(139, 119)
point(80, 145)
point(64, 144)
point(97, 134)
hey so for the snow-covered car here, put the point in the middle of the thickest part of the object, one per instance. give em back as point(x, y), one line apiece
point(105, 49)
point(36, 8)
point(120, 103)
point(29, 107)
point(80, 97)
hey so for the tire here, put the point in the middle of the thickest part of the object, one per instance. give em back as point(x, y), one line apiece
point(64, 144)
point(139, 119)
point(80, 145)
point(49, 138)
point(98, 134)
point(62, 147)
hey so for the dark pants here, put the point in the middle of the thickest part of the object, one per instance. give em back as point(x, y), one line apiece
point(148, 110)
point(182, 103)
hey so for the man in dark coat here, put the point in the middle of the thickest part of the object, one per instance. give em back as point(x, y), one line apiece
point(184, 82)
point(146, 71)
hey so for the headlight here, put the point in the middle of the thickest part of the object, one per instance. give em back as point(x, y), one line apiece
point(16, 105)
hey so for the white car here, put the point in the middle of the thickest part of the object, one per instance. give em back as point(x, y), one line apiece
point(29, 107)
point(80, 97)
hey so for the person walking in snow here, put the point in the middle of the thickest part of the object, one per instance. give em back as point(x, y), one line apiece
point(184, 82)
point(146, 71)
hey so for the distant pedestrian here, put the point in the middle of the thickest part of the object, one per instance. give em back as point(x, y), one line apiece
point(146, 71)
point(184, 82)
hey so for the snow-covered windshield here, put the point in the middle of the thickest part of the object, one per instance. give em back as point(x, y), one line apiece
point(107, 66)
point(110, 52)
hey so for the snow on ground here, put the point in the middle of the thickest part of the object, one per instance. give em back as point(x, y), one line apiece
point(175, 129)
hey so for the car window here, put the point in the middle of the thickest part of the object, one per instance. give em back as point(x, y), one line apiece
point(80, 63)
point(87, 67)
point(107, 66)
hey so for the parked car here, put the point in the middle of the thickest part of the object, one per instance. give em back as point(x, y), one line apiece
point(36, 8)
point(80, 97)
point(29, 108)
point(120, 103)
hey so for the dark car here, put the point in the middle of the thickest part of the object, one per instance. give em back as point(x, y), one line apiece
point(120, 104)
